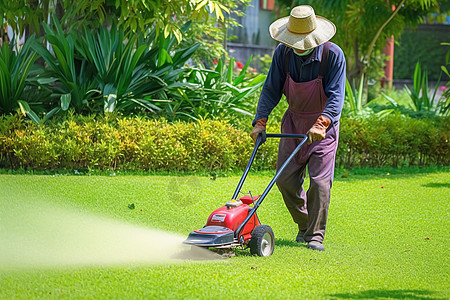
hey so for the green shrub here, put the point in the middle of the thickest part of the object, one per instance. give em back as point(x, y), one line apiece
point(114, 70)
point(96, 71)
point(113, 142)
point(394, 140)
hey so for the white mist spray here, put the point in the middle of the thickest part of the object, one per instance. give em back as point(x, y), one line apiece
point(42, 236)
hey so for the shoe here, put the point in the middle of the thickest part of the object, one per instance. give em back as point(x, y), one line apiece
point(315, 246)
point(299, 238)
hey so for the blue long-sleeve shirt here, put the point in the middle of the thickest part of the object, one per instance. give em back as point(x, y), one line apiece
point(303, 69)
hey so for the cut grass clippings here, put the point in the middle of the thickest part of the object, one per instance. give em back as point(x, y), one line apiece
point(387, 237)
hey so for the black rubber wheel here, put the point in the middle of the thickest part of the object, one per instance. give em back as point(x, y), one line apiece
point(262, 241)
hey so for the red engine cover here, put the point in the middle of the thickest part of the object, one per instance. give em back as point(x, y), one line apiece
point(232, 217)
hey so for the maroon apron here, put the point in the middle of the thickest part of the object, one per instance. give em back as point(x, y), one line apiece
point(307, 101)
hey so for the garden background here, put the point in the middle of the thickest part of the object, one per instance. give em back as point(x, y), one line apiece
point(115, 90)
point(148, 88)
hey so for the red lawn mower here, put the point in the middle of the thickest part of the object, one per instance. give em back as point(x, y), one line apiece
point(236, 223)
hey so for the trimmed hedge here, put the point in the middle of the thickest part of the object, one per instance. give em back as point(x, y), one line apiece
point(394, 141)
point(113, 142)
point(120, 143)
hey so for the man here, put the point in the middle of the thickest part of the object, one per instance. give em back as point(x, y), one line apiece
point(310, 72)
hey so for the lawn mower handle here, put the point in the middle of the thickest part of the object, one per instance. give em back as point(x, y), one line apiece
point(274, 179)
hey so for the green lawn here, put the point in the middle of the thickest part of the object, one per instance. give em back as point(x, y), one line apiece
point(387, 237)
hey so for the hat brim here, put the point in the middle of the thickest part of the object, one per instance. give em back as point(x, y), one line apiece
point(324, 31)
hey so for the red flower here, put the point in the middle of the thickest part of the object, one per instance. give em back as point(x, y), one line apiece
point(216, 61)
point(240, 65)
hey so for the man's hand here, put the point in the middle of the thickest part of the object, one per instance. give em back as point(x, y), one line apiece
point(260, 127)
point(318, 131)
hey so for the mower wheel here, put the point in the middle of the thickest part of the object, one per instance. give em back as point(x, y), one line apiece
point(262, 241)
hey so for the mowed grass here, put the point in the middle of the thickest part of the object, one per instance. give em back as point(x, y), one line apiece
point(387, 237)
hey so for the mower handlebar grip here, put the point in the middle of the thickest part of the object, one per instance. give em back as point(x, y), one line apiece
point(287, 135)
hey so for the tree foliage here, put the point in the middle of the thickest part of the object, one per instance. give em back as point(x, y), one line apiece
point(210, 18)
point(364, 26)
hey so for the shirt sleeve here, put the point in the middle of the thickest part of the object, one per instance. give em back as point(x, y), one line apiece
point(273, 86)
point(334, 84)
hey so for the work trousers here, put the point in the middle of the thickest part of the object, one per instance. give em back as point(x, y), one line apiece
point(309, 209)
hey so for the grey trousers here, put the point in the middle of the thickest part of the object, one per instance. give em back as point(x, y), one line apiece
point(309, 209)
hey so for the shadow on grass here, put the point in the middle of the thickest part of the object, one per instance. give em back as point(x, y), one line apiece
point(278, 243)
point(288, 243)
point(437, 185)
point(388, 294)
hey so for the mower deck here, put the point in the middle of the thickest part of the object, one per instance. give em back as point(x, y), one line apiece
point(212, 236)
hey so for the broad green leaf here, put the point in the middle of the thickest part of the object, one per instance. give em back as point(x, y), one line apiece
point(47, 80)
point(51, 113)
point(24, 107)
point(201, 5)
point(444, 69)
point(229, 75)
point(65, 101)
point(360, 94)
point(110, 102)
point(34, 117)
point(26, 110)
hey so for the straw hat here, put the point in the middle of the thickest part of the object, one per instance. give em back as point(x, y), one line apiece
point(302, 30)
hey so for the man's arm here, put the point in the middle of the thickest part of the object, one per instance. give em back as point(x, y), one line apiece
point(335, 91)
point(273, 86)
point(334, 84)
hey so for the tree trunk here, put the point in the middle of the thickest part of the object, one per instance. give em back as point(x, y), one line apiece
point(372, 43)
point(30, 28)
point(3, 33)
point(356, 69)
point(59, 10)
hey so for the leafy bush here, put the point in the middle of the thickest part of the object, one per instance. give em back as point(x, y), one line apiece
point(107, 70)
point(124, 143)
point(112, 142)
point(131, 71)
point(15, 66)
point(394, 140)
point(421, 98)
point(217, 92)
point(70, 80)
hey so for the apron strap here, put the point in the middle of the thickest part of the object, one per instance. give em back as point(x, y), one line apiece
point(287, 52)
point(323, 62)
